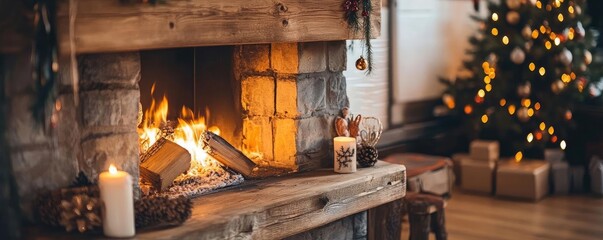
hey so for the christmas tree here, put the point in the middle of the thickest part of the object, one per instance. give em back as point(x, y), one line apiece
point(529, 67)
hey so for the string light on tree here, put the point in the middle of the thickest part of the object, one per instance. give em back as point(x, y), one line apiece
point(495, 17)
point(518, 156)
point(534, 69)
point(562, 144)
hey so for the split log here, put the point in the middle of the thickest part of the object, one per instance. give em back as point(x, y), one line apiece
point(228, 155)
point(163, 162)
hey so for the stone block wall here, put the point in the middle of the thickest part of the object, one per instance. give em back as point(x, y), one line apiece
point(109, 97)
point(290, 95)
point(89, 129)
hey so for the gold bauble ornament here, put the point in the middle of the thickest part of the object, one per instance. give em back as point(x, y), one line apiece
point(361, 64)
point(513, 17)
point(588, 57)
point(526, 32)
point(568, 115)
point(513, 4)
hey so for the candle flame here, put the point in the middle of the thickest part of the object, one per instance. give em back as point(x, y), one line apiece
point(112, 169)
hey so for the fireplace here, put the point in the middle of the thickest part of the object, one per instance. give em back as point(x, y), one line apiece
point(272, 93)
point(274, 102)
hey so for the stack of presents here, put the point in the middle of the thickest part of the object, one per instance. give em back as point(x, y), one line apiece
point(483, 171)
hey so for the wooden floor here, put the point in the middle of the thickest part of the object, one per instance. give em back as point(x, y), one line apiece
point(555, 217)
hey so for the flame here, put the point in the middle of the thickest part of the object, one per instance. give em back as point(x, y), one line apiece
point(112, 169)
point(188, 133)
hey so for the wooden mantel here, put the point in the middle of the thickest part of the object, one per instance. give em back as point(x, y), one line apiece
point(279, 207)
point(112, 25)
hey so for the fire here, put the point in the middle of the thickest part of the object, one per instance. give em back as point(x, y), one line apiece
point(188, 133)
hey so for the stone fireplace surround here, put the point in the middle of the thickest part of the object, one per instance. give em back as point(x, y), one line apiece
point(289, 95)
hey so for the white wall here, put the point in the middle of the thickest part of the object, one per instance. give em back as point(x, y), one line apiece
point(429, 40)
point(368, 94)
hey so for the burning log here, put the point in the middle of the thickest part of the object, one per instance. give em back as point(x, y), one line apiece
point(163, 162)
point(228, 155)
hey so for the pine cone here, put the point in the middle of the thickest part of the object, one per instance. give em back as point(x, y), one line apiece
point(81, 212)
point(162, 210)
point(367, 156)
point(48, 209)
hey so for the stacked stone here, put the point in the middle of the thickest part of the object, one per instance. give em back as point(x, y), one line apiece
point(41, 158)
point(290, 94)
point(109, 97)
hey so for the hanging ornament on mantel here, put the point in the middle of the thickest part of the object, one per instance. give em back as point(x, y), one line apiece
point(355, 10)
point(361, 64)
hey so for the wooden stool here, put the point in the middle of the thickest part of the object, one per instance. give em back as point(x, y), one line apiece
point(425, 211)
point(425, 214)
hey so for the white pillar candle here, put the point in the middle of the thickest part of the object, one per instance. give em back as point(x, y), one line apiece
point(344, 154)
point(118, 203)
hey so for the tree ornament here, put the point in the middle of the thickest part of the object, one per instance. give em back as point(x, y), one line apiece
point(526, 32)
point(557, 86)
point(369, 135)
point(513, 17)
point(517, 55)
point(361, 64)
point(578, 10)
point(580, 32)
point(568, 115)
point(594, 91)
point(583, 67)
point(492, 59)
point(533, 2)
point(524, 90)
point(522, 114)
point(565, 57)
point(588, 57)
point(513, 4)
point(528, 45)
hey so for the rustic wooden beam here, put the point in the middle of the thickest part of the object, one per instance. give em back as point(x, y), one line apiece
point(105, 26)
point(276, 208)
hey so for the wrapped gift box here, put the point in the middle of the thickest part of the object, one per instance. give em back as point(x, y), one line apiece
point(553, 155)
point(457, 160)
point(477, 176)
point(484, 150)
point(560, 178)
point(528, 179)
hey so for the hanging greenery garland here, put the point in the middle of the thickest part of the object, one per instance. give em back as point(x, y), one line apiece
point(351, 8)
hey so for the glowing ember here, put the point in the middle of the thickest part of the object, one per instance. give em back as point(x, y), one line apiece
point(187, 133)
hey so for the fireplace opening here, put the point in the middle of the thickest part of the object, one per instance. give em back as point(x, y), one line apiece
point(185, 92)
